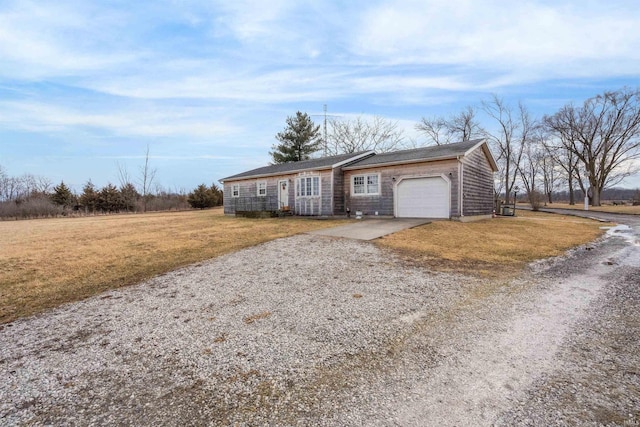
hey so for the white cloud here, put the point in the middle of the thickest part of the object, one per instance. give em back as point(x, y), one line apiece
point(40, 40)
point(252, 19)
point(561, 38)
point(143, 121)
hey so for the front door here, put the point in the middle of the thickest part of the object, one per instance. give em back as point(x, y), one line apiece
point(283, 194)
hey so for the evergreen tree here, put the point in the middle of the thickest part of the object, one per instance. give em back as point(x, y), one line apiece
point(298, 140)
point(62, 196)
point(89, 197)
point(109, 199)
point(202, 197)
point(217, 195)
point(129, 196)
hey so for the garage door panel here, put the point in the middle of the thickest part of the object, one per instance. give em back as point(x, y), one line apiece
point(423, 198)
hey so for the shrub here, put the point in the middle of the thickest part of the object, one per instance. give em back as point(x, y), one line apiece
point(536, 199)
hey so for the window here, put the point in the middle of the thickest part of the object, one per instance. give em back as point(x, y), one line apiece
point(366, 184)
point(358, 185)
point(262, 188)
point(235, 190)
point(308, 186)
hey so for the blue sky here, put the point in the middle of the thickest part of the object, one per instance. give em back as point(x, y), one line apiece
point(85, 86)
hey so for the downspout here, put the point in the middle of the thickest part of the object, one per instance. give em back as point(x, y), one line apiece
point(460, 189)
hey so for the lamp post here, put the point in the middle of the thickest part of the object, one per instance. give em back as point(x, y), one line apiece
point(515, 198)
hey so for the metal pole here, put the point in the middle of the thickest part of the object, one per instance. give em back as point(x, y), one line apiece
point(325, 129)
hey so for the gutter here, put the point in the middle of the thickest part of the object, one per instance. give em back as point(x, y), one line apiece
point(401, 162)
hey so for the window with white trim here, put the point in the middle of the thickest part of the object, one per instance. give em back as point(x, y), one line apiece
point(308, 186)
point(262, 188)
point(365, 184)
point(235, 190)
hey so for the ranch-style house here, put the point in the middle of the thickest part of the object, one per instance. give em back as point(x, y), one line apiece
point(452, 181)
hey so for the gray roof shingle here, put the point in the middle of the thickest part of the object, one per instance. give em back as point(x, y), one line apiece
point(446, 151)
point(367, 159)
point(290, 167)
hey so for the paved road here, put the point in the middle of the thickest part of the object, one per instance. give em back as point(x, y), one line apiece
point(630, 220)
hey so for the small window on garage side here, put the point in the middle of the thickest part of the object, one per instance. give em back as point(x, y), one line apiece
point(262, 188)
point(366, 184)
point(235, 190)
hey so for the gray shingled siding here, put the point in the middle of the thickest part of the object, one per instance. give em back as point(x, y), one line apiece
point(315, 205)
point(478, 184)
point(338, 192)
point(249, 189)
point(384, 203)
point(301, 206)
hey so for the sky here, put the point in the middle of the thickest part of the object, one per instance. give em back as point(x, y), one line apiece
point(86, 86)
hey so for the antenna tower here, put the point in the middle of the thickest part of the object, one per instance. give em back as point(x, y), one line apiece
point(325, 129)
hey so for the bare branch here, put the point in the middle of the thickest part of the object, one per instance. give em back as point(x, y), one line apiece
point(604, 134)
point(358, 134)
point(458, 127)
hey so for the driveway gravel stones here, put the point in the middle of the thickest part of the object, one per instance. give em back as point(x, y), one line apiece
point(312, 330)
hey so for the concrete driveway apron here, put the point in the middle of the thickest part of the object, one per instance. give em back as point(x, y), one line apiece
point(369, 229)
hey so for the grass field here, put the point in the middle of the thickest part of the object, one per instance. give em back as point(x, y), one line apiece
point(493, 248)
point(627, 209)
point(46, 263)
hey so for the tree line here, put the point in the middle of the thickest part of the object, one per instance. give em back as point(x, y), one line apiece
point(583, 148)
point(30, 196)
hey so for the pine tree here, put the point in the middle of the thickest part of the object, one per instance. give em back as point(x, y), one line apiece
point(89, 197)
point(217, 195)
point(62, 196)
point(202, 197)
point(110, 199)
point(129, 196)
point(298, 140)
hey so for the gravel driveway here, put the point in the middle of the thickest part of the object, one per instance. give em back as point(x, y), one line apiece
point(312, 330)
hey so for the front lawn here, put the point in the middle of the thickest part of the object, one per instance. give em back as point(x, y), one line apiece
point(496, 247)
point(48, 262)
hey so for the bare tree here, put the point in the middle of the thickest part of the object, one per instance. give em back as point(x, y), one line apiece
point(147, 176)
point(604, 134)
point(530, 169)
point(458, 127)
point(5, 192)
point(123, 174)
point(549, 175)
point(566, 161)
point(358, 134)
point(514, 131)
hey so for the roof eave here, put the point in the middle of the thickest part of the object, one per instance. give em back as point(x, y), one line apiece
point(354, 158)
point(266, 175)
point(404, 162)
point(294, 171)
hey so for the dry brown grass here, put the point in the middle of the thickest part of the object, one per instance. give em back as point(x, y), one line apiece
point(251, 319)
point(45, 263)
point(494, 247)
point(627, 209)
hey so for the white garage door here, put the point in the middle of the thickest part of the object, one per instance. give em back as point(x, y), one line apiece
point(423, 198)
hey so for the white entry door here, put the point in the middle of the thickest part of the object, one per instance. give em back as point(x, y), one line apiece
point(423, 198)
point(283, 193)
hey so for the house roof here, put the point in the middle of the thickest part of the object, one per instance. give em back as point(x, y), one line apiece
point(436, 152)
point(304, 165)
